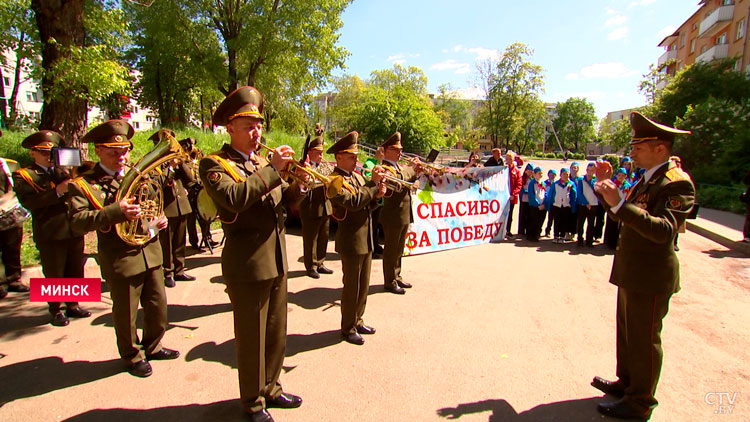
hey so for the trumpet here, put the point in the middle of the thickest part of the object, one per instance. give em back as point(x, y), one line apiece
point(398, 185)
point(416, 161)
point(333, 184)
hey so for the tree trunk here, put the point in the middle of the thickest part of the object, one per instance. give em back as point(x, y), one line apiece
point(61, 21)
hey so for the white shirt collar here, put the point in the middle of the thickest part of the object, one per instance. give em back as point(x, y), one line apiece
point(650, 172)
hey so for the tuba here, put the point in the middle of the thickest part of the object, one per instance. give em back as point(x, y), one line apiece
point(138, 183)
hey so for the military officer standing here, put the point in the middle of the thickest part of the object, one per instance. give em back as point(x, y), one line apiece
point(43, 190)
point(314, 211)
point(133, 273)
point(645, 268)
point(354, 243)
point(249, 193)
point(177, 176)
point(396, 215)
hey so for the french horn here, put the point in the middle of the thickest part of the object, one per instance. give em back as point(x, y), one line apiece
point(139, 184)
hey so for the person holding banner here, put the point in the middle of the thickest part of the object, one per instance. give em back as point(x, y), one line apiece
point(43, 191)
point(514, 180)
point(352, 208)
point(396, 214)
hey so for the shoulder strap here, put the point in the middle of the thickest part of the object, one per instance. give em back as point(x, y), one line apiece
point(229, 169)
point(24, 173)
point(86, 191)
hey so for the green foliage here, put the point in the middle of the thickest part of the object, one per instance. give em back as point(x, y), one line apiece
point(512, 86)
point(392, 100)
point(720, 197)
point(550, 155)
point(18, 33)
point(575, 122)
point(453, 112)
point(654, 76)
point(616, 134)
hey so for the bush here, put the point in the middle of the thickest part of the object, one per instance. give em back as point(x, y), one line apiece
point(613, 159)
point(726, 198)
point(550, 155)
point(559, 155)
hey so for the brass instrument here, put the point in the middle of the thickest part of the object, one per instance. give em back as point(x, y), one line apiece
point(397, 185)
point(333, 184)
point(138, 184)
point(415, 160)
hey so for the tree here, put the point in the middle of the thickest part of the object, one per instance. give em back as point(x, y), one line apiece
point(535, 118)
point(575, 122)
point(513, 87)
point(82, 43)
point(392, 100)
point(649, 85)
point(453, 111)
point(18, 34)
point(286, 49)
point(616, 134)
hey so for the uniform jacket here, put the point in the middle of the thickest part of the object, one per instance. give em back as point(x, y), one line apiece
point(552, 194)
point(353, 211)
point(249, 198)
point(35, 189)
point(92, 206)
point(645, 260)
point(176, 201)
point(533, 188)
point(579, 187)
point(397, 205)
point(5, 185)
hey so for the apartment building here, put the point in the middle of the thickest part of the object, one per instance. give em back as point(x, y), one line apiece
point(717, 30)
point(29, 99)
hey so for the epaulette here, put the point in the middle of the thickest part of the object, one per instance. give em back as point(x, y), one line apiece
point(228, 166)
point(10, 160)
point(24, 173)
point(675, 174)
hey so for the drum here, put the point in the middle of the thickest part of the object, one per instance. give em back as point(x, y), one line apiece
point(206, 207)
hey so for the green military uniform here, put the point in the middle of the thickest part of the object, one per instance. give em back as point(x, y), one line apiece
point(10, 238)
point(60, 250)
point(646, 268)
point(249, 195)
point(314, 211)
point(352, 208)
point(133, 273)
point(176, 209)
point(396, 215)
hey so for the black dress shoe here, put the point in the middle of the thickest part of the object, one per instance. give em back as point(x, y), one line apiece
point(313, 274)
point(404, 284)
point(140, 369)
point(77, 312)
point(613, 388)
point(59, 319)
point(169, 281)
point(364, 329)
point(324, 270)
point(285, 401)
point(260, 416)
point(622, 409)
point(184, 277)
point(17, 287)
point(395, 289)
point(353, 338)
point(164, 354)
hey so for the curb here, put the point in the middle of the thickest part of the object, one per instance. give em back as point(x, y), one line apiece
point(734, 245)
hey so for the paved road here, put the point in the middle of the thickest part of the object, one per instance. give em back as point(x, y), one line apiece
point(500, 332)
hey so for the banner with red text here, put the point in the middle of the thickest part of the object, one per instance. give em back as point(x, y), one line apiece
point(462, 207)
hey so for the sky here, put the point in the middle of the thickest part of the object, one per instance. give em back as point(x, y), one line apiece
point(595, 49)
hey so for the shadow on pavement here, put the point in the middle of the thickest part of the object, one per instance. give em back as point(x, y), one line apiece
point(223, 353)
point(44, 375)
point(300, 343)
point(730, 253)
point(227, 410)
point(330, 256)
point(319, 297)
point(175, 313)
point(193, 262)
point(580, 410)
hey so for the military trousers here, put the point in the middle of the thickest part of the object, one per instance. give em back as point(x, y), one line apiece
point(148, 289)
point(10, 247)
point(356, 278)
point(314, 240)
point(259, 309)
point(393, 250)
point(639, 351)
point(172, 241)
point(62, 259)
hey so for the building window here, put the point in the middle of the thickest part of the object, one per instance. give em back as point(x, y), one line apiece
point(682, 41)
point(135, 109)
point(137, 125)
point(740, 29)
point(695, 26)
point(692, 46)
point(721, 39)
point(736, 66)
point(727, 2)
point(31, 96)
point(6, 80)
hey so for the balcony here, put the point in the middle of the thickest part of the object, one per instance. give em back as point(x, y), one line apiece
point(661, 84)
point(715, 21)
point(720, 51)
point(668, 55)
